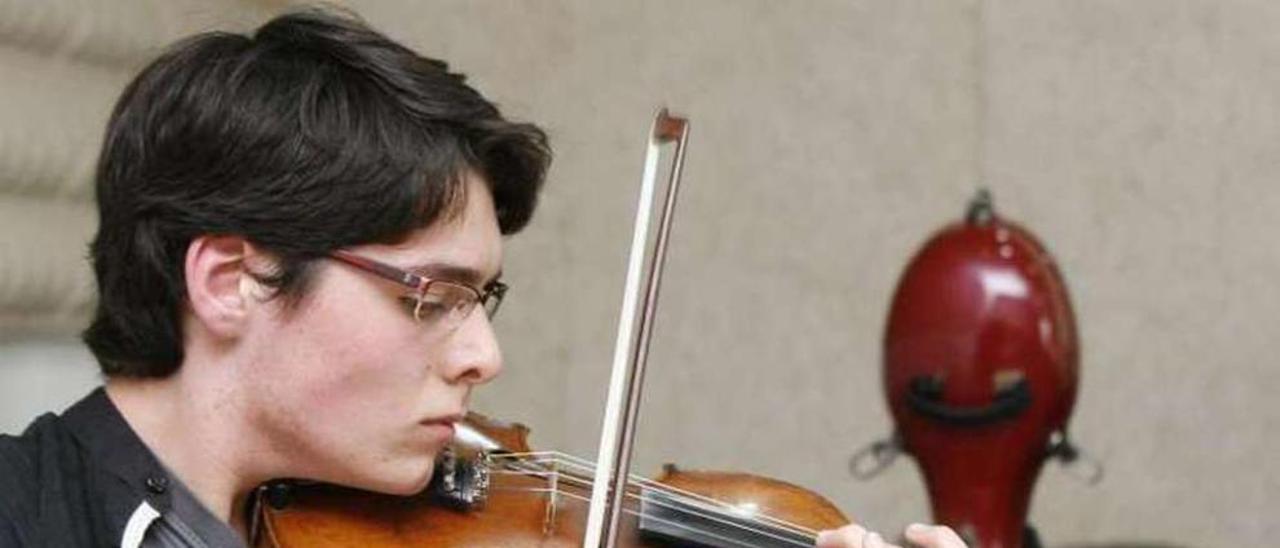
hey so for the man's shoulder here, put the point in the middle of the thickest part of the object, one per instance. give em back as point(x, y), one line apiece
point(20, 455)
point(9, 535)
point(21, 470)
point(75, 478)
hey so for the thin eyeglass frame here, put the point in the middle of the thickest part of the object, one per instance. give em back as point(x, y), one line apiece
point(421, 284)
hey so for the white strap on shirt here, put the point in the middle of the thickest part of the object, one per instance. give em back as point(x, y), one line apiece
point(137, 526)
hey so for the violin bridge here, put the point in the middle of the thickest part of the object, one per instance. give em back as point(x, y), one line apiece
point(553, 498)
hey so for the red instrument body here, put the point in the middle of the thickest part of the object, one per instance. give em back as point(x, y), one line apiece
point(981, 365)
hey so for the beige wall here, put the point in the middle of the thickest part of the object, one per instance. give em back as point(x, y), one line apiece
point(1137, 139)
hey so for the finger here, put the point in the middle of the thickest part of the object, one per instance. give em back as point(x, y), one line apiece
point(933, 536)
point(849, 536)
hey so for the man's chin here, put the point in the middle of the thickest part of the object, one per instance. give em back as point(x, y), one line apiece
point(409, 480)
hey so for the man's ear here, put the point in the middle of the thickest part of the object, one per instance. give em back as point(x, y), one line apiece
point(220, 282)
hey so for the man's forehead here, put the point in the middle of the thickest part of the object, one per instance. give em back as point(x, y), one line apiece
point(464, 246)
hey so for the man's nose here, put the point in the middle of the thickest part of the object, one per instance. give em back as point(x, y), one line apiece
point(475, 356)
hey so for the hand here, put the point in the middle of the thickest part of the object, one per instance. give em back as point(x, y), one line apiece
point(925, 536)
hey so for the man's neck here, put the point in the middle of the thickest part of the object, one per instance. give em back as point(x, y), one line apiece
point(198, 434)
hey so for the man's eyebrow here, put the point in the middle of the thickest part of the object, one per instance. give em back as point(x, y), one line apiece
point(455, 273)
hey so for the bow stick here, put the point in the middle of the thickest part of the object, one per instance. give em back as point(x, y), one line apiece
point(631, 348)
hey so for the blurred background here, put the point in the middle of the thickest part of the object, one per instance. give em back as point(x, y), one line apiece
point(1140, 140)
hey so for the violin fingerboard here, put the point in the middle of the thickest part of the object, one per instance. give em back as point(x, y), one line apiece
point(673, 520)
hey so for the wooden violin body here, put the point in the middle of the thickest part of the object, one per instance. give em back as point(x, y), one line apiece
point(541, 501)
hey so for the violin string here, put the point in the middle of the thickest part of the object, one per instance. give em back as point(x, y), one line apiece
point(557, 458)
point(671, 523)
point(709, 517)
point(721, 506)
point(709, 512)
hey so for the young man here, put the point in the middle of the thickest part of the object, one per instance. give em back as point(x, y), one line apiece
point(299, 253)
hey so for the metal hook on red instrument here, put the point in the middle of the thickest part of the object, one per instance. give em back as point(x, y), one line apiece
point(1075, 462)
point(875, 457)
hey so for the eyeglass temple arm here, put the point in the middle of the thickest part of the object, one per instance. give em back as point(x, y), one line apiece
point(389, 272)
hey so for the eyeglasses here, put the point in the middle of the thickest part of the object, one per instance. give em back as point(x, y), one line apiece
point(433, 301)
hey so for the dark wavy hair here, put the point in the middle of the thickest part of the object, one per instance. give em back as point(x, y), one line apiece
point(312, 134)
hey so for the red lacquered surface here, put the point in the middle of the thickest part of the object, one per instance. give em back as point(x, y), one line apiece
point(981, 306)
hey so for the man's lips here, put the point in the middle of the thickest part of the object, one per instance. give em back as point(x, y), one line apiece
point(448, 419)
point(441, 426)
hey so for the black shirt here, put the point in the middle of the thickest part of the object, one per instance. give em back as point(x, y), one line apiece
point(86, 479)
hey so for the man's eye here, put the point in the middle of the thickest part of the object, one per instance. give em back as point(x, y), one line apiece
point(424, 308)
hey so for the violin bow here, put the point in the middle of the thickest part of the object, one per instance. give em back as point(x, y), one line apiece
point(631, 348)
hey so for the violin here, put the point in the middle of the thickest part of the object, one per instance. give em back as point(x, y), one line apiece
point(491, 489)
